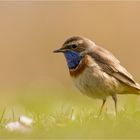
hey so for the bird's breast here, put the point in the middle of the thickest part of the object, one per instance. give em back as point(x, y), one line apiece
point(80, 68)
point(86, 62)
point(92, 81)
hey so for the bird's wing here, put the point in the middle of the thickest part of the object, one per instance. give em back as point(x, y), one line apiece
point(110, 64)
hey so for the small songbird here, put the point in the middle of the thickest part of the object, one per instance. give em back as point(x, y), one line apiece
point(95, 71)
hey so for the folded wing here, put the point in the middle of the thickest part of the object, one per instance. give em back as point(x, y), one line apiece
point(111, 65)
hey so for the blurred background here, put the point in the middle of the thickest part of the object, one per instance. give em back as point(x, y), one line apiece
point(35, 82)
point(30, 31)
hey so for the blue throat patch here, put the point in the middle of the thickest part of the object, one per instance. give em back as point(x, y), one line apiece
point(73, 59)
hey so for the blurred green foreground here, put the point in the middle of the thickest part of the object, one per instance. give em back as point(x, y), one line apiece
point(29, 32)
point(56, 114)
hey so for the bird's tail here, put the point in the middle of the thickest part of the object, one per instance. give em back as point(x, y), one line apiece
point(135, 89)
point(132, 89)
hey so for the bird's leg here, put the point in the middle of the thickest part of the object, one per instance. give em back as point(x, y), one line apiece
point(114, 97)
point(104, 100)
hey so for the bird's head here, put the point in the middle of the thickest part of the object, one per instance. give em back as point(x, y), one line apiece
point(74, 49)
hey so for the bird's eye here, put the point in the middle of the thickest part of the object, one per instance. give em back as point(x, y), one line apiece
point(73, 46)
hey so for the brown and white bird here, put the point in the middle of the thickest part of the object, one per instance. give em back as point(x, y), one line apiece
point(95, 71)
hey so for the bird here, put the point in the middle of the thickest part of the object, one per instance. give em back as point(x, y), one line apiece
point(95, 71)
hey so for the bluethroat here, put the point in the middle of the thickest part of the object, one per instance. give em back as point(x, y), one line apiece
point(95, 71)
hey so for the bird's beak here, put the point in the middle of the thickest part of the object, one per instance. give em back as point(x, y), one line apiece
point(61, 50)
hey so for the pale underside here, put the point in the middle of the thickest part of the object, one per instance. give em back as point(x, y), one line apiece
point(97, 84)
point(95, 81)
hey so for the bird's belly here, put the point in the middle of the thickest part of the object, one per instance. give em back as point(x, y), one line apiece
point(96, 83)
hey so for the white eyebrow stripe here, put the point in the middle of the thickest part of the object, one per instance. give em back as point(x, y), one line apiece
point(74, 42)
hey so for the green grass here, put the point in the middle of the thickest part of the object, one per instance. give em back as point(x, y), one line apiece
point(71, 116)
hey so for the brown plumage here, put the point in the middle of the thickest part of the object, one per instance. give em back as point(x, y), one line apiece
point(111, 65)
point(95, 71)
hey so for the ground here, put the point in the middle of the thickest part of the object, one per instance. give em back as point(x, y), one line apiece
point(56, 114)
